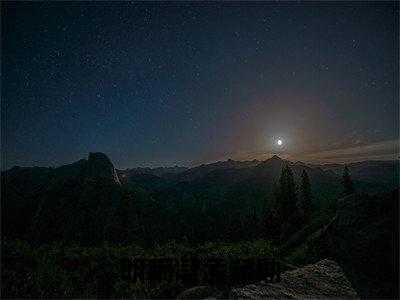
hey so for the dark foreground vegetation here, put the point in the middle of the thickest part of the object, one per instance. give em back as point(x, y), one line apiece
point(65, 230)
point(73, 271)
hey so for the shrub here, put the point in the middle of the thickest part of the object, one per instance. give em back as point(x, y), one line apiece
point(74, 271)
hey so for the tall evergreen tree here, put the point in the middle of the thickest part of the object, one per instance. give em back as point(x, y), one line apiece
point(286, 195)
point(267, 223)
point(250, 225)
point(264, 219)
point(126, 228)
point(305, 194)
point(236, 231)
point(348, 186)
point(255, 232)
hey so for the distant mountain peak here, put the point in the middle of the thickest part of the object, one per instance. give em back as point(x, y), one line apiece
point(275, 157)
point(98, 156)
point(99, 165)
point(274, 160)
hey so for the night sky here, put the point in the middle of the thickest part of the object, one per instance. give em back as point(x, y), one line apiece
point(164, 83)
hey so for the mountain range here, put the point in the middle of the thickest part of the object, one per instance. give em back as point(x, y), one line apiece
point(79, 201)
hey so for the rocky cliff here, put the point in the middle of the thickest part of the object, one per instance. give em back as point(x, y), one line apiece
point(100, 166)
point(323, 280)
point(363, 235)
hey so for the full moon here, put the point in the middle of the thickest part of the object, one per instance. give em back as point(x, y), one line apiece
point(279, 142)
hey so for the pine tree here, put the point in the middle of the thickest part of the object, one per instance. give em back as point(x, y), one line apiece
point(305, 194)
point(286, 195)
point(236, 232)
point(254, 225)
point(267, 223)
point(264, 219)
point(250, 225)
point(126, 228)
point(348, 186)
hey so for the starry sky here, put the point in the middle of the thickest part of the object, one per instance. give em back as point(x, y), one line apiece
point(182, 83)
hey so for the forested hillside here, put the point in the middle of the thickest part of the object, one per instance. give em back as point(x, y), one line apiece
point(86, 201)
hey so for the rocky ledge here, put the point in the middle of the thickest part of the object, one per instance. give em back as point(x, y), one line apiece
point(323, 280)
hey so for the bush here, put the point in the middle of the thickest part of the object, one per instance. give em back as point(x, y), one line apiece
point(319, 220)
point(74, 271)
point(297, 257)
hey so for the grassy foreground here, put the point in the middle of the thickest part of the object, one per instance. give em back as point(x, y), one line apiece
point(74, 271)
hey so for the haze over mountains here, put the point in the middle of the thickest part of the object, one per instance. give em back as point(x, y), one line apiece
point(80, 201)
point(359, 170)
point(265, 172)
point(370, 170)
point(380, 174)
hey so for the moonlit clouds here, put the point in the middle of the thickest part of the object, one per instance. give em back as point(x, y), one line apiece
point(385, 150)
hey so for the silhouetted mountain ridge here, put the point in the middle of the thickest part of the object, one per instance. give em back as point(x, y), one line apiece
point(199, 171)
point(78, 201)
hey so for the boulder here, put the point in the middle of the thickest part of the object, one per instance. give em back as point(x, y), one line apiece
point(201, 292)
point(322, 280)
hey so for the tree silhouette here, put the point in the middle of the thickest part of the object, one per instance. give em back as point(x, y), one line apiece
point(305, 194)
point(267, 223)
point(348, 186)
point(236, 231)
point(264, 218)
point(254, 231)
point(250, 225)
point(126, 228)
point(286, 195)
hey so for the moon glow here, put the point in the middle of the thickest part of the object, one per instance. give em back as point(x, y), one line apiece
point(279, 142)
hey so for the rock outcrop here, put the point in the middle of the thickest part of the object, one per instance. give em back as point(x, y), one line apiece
point(355, 256)
point(322, 280)
point(201, 292)
point(100, 166)
point(363, 235)
point(75, 202)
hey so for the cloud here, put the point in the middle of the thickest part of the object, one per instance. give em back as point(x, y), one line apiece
point(381, 150)
point(385, 150)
